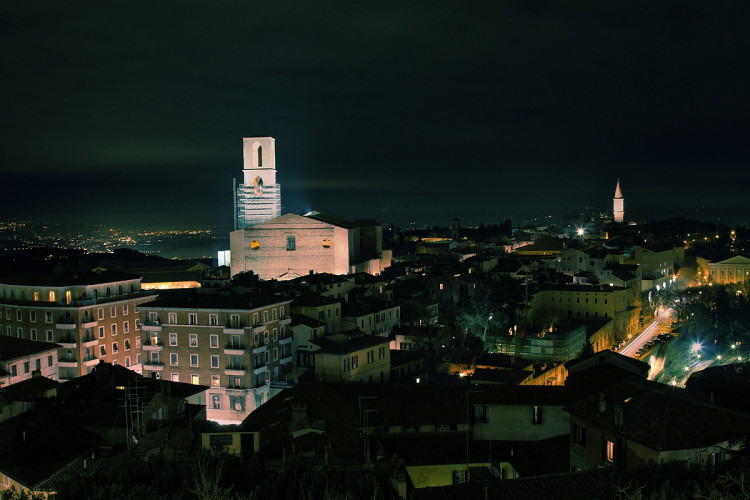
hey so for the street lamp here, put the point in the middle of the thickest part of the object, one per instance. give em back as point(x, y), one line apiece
point(580, 233)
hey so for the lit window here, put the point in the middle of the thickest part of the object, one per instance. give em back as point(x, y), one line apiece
point(214, 381)
point(610, 451)
point(175, 377)
point(194, 379)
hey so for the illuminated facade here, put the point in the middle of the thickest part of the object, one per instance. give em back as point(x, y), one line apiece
point(235, 344)
point(618, 204)
point(733, 270)
point(92, 316)
point(291, 246)
point(258, 198)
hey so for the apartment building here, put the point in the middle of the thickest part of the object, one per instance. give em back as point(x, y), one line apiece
point(352, 357)
point(325, 309)
point(235, 344)
point(585, 303)
point(92, 316)
point(376, 317)
point(19, 358)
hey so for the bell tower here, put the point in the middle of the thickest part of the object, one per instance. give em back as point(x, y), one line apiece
point(258, 198)
point(618, 204)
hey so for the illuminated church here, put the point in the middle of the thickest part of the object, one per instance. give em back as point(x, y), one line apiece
point(258, 198)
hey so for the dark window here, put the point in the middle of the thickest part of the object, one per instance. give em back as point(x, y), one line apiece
point(536, 414)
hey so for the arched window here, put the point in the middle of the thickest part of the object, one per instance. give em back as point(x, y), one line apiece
point(109, 291)
point(260, 156)
point(119, 290)
point(258, 186)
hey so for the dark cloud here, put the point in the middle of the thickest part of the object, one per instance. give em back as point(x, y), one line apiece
point(416, 111)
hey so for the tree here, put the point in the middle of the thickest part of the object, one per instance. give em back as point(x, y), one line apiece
point(586, 349)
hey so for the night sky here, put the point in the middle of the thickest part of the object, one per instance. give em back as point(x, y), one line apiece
point(134, 112)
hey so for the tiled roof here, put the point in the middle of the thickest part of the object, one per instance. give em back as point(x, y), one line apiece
point(332, 219)
point(565, 486)
point(65, 279)
point(14, 348)
point(344, 343)
point(77, 469)
point(28, 388)
point(313, 299)
point(298, 319)
point(662, 417)
point(191, 299)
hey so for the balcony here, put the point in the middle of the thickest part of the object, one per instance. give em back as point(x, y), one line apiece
point(285, 340)
point(67, 343)
point(154, 366)
point(236, 391)
point(234, 330)
point(260, 349)
point(235, 370)
point(90, 342)
point(260, 369)
point(67, 363)
point(89, 324)
point(287, 320)
point(259, 328)
point(156, 346)
point(151, 326)
point(286, 359)
point(65, 326)
point(234, 350)
point(90, 361)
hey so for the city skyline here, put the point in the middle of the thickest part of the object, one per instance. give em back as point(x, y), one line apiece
point(395, 113)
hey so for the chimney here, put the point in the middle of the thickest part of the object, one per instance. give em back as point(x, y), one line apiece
point(602, 403)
